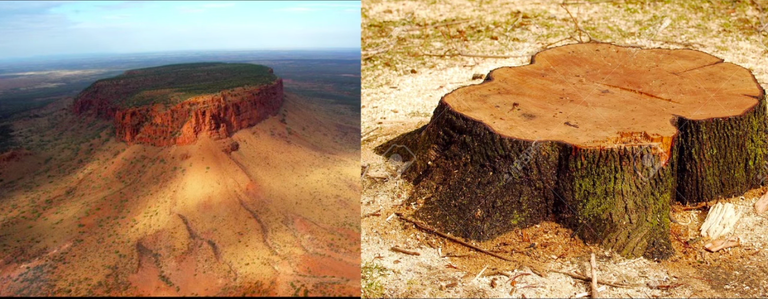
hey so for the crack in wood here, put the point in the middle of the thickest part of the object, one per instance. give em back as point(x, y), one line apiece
point(640, 92)
point(699, 67)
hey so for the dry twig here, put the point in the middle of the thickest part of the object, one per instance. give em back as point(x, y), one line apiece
point(449, 237)
point(375, 213)
point(446, 54)
point(701, 205)
point(600, 281)
point(578, 28)
point(665, 286)
point(398, 249)
point(481, 273)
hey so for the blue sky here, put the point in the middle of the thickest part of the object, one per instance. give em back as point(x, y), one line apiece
point(53, 28)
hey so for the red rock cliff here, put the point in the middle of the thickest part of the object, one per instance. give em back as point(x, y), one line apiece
point(216, 115)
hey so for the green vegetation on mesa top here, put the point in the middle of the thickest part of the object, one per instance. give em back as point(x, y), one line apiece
point(176, 83)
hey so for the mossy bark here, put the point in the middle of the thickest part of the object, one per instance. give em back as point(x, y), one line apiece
point(477, 184)
point(723, 157)
point(615, 197)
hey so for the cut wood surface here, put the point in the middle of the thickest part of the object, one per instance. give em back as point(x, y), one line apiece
point(617, 96)
point(601, 138)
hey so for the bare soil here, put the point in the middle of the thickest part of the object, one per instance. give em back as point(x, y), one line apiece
point(84, 214)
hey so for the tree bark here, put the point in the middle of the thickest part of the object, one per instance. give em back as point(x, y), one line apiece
point(478, 175)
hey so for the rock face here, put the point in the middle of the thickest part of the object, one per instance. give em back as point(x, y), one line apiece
point(217, 115)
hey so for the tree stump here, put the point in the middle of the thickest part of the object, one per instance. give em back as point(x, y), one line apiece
point(598, 137)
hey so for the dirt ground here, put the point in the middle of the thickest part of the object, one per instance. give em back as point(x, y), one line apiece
point(84, 214)
point(414, 52)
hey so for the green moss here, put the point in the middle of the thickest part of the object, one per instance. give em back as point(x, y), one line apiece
point(175, 83)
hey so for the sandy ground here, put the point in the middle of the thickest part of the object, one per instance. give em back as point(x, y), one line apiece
point(83, 214)
point(414, 52)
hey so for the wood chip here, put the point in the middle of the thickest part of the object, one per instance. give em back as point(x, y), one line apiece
point(390, 217)
point(761, 206)
point(481, 273)
point(720, 221)
point(449, 285)
point(375, 213)
point(398, 249)
point(720, 244)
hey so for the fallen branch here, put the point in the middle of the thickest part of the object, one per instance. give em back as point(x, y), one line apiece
point(398, 249)
point(600, 281)
point(595, 291)
point(534, 266)
point(449, 237)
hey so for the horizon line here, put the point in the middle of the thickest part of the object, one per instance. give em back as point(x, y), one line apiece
point(178, 51)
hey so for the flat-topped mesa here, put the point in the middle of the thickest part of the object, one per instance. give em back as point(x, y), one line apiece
point(175, 104)
point(599, 137)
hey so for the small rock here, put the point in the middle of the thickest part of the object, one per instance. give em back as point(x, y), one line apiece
point(477, 76)
point(413, 71)
point(448, 285)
